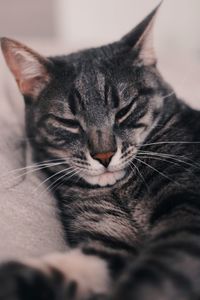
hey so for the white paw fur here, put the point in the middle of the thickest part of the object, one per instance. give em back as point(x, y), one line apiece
point(88, 271)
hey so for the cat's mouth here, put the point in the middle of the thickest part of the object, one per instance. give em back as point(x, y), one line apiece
point(105, 179)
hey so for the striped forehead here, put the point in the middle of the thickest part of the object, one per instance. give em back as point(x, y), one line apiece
point(93, 91)
point(91, 82)
point(97, 95)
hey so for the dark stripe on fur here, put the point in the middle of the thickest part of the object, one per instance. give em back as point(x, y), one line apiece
point(171, 203)
point(107, 241)
point(191, 248)
point(116, 262)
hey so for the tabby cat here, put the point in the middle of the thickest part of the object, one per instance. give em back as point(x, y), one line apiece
point(122, 156)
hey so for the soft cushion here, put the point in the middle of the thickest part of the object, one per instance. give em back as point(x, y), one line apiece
point(29, 223)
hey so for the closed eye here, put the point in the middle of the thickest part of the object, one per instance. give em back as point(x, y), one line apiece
point(122, 114)
point(69, 124)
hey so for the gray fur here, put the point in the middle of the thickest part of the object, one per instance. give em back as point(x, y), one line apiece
point(145, 225)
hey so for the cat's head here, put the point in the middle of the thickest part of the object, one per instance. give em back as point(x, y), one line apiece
point(92, 108)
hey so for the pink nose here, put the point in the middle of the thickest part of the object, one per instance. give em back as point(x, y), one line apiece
point(104, 158)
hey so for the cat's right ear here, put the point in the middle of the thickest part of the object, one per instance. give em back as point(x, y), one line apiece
point(28, 67)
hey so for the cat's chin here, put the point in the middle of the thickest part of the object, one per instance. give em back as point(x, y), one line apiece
point(105, 179)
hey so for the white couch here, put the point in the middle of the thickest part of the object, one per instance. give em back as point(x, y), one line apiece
point(29, 225)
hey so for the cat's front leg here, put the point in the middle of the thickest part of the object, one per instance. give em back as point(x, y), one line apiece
point(20, 281)
point(103, 239)
point(169, 265)
point(89, 271)
point(68, 276)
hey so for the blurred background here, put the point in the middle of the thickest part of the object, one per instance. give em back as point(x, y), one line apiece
point(62, 26)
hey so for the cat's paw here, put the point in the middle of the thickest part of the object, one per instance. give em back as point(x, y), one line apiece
point(63, 276)
point(21, 282)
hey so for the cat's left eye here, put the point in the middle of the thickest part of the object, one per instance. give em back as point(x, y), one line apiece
point(122, 114)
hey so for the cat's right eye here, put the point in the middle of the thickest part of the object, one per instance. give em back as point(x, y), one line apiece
point(69, 124)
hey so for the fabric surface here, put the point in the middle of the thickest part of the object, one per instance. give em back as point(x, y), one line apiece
point(29, 225)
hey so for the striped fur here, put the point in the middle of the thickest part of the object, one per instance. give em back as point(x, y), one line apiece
point(134, 225)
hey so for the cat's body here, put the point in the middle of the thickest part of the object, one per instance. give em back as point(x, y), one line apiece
point(122, 157)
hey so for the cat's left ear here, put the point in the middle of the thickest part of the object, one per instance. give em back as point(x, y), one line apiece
point(29, 68)
point(140, 39)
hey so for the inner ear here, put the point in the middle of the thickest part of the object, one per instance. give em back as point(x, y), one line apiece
point(29, 68)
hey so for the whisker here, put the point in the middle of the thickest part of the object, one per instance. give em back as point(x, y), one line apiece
point(52, 176)
point(167, 96)
point(37, 169)
point(140, 174)
point(45, 162)
point(61, 177)
point(53, 187)
point(162, 174)
point(172, 156)
point(159, 158)
point(165, 160)
point(169, 142)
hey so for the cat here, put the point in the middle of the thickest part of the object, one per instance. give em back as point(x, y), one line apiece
point(122, 155)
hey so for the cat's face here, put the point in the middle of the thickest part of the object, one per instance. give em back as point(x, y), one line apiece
point(98, 117)
point(92, 109)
